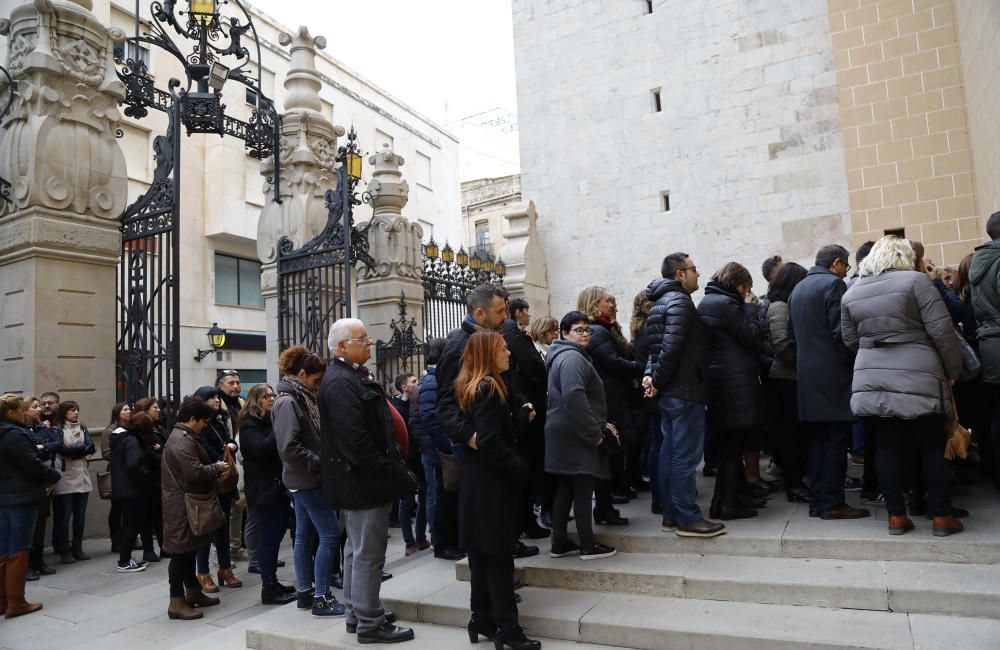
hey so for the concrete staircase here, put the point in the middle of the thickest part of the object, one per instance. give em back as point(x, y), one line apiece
point(782, 580)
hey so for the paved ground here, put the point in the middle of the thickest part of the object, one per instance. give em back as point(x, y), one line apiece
point(90, 605)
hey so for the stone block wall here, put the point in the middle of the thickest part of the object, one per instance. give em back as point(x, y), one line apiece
point(747, 141)
point(978, 25)
point(906, 136)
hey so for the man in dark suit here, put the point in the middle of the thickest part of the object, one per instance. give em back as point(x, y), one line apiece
point(362, 475)
point(825, 369)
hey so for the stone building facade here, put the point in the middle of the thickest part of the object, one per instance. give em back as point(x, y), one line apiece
point(223, 194)
point(735, 130)
point(484, 203)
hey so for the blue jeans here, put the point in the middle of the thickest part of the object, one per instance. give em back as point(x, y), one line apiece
point(655, 443)
point(220, 538)
point(683, 426)
point(314, 516)
point(17, 525)
point(432, 476)
point(406, 508)
point(271, 520)
point(64, 506)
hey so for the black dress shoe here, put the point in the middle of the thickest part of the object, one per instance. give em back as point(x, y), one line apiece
point(656, 508)
point(517, 598)
point(798, 495)
point(274, 595)
point(446, 553)
point(390, 617)
point(523, 550)
point(386, 633)
point(288, 589)
point(537, 532)
point(610, 519)
point(618, 499)
point(280, 564)
point(385, 576)
point(253, 568)
point(337, 580)
point(44, 569)
point(32, 575)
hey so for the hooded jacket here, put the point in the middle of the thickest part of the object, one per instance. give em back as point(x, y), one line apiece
point(576, 414)
point(984, 275)
point(676, 343)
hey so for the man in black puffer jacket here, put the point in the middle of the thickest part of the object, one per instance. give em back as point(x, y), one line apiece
point(676, 370)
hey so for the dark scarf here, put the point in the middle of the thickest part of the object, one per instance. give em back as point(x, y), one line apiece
point(305, 397)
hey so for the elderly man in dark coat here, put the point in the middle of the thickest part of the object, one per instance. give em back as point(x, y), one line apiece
point(363, 475)
point(824, 367)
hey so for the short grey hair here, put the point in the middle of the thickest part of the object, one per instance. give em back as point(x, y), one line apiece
point(341, 331)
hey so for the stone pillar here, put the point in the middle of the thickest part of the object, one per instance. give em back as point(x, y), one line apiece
point(526, 273)
point(308, 149)
point(395, 244)
point(59, 238)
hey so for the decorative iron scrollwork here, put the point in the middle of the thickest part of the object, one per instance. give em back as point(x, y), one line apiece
point(404, 350)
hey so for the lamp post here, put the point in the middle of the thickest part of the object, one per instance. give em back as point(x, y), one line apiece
point(216, 340)
point(10, 83)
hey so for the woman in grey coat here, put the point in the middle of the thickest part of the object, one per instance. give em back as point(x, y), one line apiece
point(908, 356)
point(574, 431)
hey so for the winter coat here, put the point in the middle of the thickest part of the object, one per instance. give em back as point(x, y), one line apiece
point(962, 315)
point(50, 438)
point(23, 476)
point(677, 354)
point(576, 413)
point(824, 365)
point(782, 348)
point(492, 477)
point(451, 418)
point(615, 365)
point(527, 368)
point(906, 343)
point(130, 471)
point(110, 432)
point(261, 463)
point(734, 342)
point(72, 460)
point(640, 352)
point(184, 459)
point(214, 437)
point(434, 438)
point(984, 276)
point(297, 440)
point(359, 454)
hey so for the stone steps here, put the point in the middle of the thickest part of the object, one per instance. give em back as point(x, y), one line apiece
point(938, 588)
point(657, 622)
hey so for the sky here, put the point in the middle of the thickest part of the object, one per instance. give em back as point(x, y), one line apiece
point(447, 59)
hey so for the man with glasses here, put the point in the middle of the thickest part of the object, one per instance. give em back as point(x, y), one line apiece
point(825, 369)
point(363, 475)
point(676, 370)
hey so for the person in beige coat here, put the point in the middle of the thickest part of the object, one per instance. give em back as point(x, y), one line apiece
point(908, 355)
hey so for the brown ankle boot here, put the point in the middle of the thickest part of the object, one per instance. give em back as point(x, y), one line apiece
point(207, 584)
point(197, 598)
point(64, 555)
point(17, 569)
point(227, 578)
point(3, 583)
point(899, 524)
point(77, 551)
point(179, 609)
point(944, 526)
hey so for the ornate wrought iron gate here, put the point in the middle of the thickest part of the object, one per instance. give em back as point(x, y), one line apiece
point(403, 352)
point(448, 279)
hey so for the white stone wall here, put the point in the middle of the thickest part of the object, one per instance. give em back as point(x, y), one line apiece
point(748, 141)
point(978, 24)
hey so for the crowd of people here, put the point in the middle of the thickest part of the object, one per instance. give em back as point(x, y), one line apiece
point(517, 419)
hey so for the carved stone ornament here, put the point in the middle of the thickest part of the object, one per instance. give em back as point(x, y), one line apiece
point(394, 241)
point(58, 144)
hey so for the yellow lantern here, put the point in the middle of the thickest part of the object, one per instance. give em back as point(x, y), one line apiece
point(447, 255)
point(203, 11)
point(462, 258)
point(431, 249)
point(353, 161)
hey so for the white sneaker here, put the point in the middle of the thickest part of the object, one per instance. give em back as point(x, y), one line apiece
point(131, 567)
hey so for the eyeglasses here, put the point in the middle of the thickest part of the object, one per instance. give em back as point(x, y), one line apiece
point(582, 331)
point(270, 396)
point(847, 267)
point(688, 268)
point(367, 340)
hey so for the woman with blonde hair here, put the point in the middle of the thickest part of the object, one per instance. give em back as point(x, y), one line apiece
point(908, 354)
point(543, 331)
point(492, 477)
point(24, 483)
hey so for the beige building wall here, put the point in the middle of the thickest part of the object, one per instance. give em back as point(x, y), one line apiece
point(487, 200)
point(906, 131)
point(978, 25)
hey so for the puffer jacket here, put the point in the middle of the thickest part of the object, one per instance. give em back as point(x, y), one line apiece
point(616, 367)
point(984, 276)
point(23, 476)
point(907, 346)
point(434, 437)
point(677, 361)
point(734, 342)
point(782, 347)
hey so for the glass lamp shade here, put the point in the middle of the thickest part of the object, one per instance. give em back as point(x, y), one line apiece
point(431, 249)
point(216, 336)
point(475, 262)
point(488, 264)
point(203, 11)
point(447, 255)
point(462, 258)
point(500, 268)
point(353, 162)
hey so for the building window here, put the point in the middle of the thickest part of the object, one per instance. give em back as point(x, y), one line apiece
point(649, 6)
point(897, 232)
point(129, 51)
point(422, 170)
point(251, 96)
point(657, 104)
point(237, 281)
point(665, 201)
point(482, 235)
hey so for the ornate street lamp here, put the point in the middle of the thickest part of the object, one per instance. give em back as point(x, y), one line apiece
point(448, 254)
point(500, 268)
point(216, 340)
point(10, 83)
point(475, 263)
point(431, 249)
point(462, 258)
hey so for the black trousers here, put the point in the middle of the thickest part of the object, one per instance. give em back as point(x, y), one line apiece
point(180, 572)
point(828, 444)
point(870, 486)
point(788, 435)
point(573, 492)
point(492, 581)
point(445, 534)
point(731, 480)
point(900, 442)
point(134, 521)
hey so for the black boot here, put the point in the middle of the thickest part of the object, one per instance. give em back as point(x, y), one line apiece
point(478, 628)
point(513, 637)
point(36, 560)
point(726, 503)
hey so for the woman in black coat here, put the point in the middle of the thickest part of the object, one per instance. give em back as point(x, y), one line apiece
point(266, 495)
point(734, 343)
point(133, 480)
point(492, 476)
